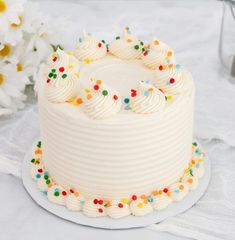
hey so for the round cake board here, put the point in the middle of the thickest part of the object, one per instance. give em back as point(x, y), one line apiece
point(106, 222)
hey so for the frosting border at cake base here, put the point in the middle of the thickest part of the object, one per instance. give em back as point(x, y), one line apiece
point(138, 205)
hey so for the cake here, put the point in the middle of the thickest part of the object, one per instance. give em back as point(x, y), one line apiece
point(116, 128)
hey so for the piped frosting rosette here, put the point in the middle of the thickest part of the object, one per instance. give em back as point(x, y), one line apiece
point(62, 76)
point(172, 79)
point(146, 98)
point(156, 54)
point(90, 48)
point(101, 101)
point(118, 208)
point(126, 46)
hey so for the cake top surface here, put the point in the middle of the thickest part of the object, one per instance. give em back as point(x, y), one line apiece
point(124, 77)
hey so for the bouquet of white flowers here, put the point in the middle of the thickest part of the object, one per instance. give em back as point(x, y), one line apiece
point(25, 41)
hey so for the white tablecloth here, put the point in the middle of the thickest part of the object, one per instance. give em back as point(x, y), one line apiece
point(192, 29)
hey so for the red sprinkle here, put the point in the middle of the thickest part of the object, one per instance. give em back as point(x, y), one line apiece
point(64, 193)
point(115, 97)
point(48, 80)
point(100, 210)
point(96, 87)
point(145, 53)
point(160, 67)
point(101, 202)
point(134, 197)
point(40, 170)
point(71, 190)
point(133, 94)
point(165, 190)
point(172, 80)
point(99, 45)
point(120, 205)
point(61, 69)
point(95, 201)
point(54, 59)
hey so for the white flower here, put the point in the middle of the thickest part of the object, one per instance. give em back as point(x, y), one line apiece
point(12, 85)
point(10, 11)
point(27, 23)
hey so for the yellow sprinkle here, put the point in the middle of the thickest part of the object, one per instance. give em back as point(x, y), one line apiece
point(3, 6)
point(16, 25)
point(169, 98)
point(70, 100)
point(124, 200)
point(70, 66)
point(77, 75)
point(70, 53)
point(53, 55)
point(164, 67)
point(87, 60)
point(140, 205)
point(200, 160)
point(87, 90)
point(5, 50)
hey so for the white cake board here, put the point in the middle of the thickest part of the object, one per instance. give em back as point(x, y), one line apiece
point(106, 222)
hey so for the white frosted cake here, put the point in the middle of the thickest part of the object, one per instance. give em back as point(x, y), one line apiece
point(116, 124)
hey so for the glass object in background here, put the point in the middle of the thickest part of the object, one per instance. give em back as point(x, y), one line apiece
point(227, 38)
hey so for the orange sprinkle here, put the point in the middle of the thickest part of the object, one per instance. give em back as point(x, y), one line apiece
point(147, 46)
point(38, 151)
point(155, 193)
point(169, 54)
point(193, 161)
point(76, 194)
point(108, 204)
point(129, 40)
point(98, 82)
point(49, 185)
point(156, 42)
point(160, 192)
point(190, 180)
point(181, 187)
point(168, 194)
point(89, 96)
point(150, 89)
point(79, 101)
point(171, 65)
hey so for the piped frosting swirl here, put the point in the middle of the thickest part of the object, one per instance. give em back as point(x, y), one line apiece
point(147, 98)
point(62, 76)
point(157, 54)
point(173, 80)
point(90, 48)
point(126, 46)
point(101, 101)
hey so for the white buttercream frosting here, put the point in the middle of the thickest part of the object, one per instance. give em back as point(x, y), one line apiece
point(118, 209)
point(161, 201)
point(178, 191)
point(173, 80)
point(90, 48)
point(57, 194)
point(42, 182)
point(157, 54)
point(62, 75)
point(93, 209)
point(126, 46)
point(140, 207)
point(74, 201)
point(147, 99)
point(101, 101)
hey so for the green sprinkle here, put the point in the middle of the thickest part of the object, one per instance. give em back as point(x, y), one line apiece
point(102, 41)
point(39, 144)
point(33, 160)
point(166, 98)
point(143, 49)
point(46, 177)
point(137, 47)
point(195, 144)
point(50, 74)
point(55, 76)
point(53, 70)
point(56, 194)
point(64, 75)
point(48, 181)
point(117, 38)
point(141, 43)
point(105, 92)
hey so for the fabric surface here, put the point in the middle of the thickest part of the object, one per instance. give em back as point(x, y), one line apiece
point(194, 36)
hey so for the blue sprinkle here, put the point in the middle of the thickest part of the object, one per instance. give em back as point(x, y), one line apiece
point(38, 175)
point(82, 201)
point(168, 83)
point(107, 45)
point(57, 190)
point(126, 100)
point(80, 39)
point(150, 199)
point(146, 93)
point(191, 172)
point(198, 152)
point(178, 66)
point(148, 81)
point(177, 191)
point(126, 107)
